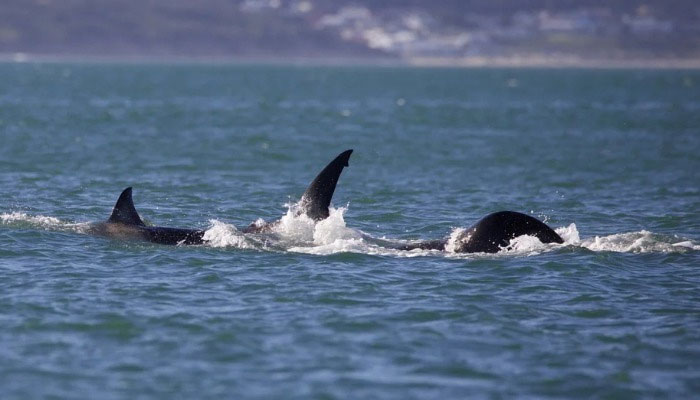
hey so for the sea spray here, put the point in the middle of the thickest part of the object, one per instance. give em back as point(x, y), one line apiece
point(40, 220)
point(221, 234)
point(638, 242)
point(333, 229)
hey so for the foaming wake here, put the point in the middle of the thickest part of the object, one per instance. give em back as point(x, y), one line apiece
point(631, 242)
point(639, 242)
point(296, 232)
point(221, 234)
point(327, 236)
point(23, 220)
point(36, 220)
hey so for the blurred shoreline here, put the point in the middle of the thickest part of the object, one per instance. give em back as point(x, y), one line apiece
point(555, 62)
point(528, 61)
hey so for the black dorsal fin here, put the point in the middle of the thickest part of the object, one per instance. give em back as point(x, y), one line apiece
point(124, 211)
point(318, 195)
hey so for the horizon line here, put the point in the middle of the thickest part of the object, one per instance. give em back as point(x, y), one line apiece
point(515, 61)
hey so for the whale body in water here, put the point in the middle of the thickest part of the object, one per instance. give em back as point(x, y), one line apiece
point(125, 222)
point(492, 233)
point(317, 196)
point(489, 235)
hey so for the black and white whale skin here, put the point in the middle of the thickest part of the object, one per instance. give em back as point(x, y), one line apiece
point(125, 222)
point(492, 233)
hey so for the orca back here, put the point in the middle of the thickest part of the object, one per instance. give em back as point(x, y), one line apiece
point(496, 230)
point(173, 236)
point(125, 222)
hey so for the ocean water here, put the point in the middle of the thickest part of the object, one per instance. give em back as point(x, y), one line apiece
point(609, 158)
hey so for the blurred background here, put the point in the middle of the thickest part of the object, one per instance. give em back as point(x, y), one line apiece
point(401, 31)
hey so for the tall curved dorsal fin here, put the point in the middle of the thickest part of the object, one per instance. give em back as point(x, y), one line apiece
point(124, 211)
point(318, 195)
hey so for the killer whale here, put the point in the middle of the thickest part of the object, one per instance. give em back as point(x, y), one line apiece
point(492, 233)
point(125, 222)
point(317, 196)
point(488, 235)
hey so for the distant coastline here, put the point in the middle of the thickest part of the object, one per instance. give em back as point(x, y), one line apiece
point(520, 61)
point(649, 34)
point(544, 61)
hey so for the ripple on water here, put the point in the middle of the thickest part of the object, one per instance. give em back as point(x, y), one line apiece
point(325, 311)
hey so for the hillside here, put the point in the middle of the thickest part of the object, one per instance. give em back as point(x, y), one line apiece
point(399, 29)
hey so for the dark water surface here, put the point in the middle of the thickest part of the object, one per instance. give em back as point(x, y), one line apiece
point(611, 159)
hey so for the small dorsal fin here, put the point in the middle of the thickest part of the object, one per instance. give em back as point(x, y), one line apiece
point(318, 195)
point(124, 211)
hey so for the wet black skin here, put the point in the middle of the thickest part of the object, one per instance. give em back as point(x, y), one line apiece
point(492, 233)
point(125, 223)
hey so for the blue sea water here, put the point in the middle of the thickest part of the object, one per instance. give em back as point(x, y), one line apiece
point(609, 158)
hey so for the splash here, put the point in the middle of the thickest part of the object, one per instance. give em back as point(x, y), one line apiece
point(221, 234)
point(531, 245)
point(521, 245)
point(295, 226)
point(569, 234)
point(37, 220)
point(632, 242)
point(456, 234)
point(301, 234)
point(638, 242)
point(330, 235)
point(333, 229)
point(524, 244)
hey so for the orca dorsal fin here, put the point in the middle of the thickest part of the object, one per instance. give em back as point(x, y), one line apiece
point(124, 211)
point(318, 195)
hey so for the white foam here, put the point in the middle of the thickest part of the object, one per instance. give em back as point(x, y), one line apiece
point(332, 236)
point(451, 245)
point(333, 229)
point(687, 244)
point(44, 222)
point(569, 234)
point(521, 245)
point(630, 242)
point(301, 234)
point(531, 245)
point(259, 223)
point(295, 227)
point(636, 242)
point(31, 219)
point(336, 246)
point(524, 244)
point(328, 236)
point(221, 234)
point(360, 246)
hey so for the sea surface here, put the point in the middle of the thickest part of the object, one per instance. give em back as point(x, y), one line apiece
point(608, 158)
